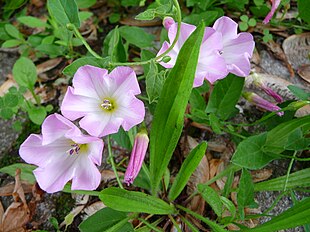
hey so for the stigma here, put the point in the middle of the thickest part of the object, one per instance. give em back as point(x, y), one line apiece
point(107, 104)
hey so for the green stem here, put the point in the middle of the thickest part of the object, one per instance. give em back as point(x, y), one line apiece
point(78, 35)
point(176, 225)
point(289, 170)
point(113, 164)
point(36, 98)
point(158, 58)
point(154, 228)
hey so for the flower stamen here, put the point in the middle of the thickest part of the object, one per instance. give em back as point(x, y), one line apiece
point(107, 104)
point(74, 150)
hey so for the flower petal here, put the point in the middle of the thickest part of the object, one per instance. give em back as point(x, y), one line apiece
point(239, 65)
point(227, 27)
point(76, 106)
point(244, 43)
point(132, 113)
point(275, 5)
point(57, 173)
point(124, 79)
point(87, 175)
point(172, 54)
point(56, 126)
point(89, 81)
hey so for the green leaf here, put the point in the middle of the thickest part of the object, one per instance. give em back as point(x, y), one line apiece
point(17, 126)
point(215, 123)
point(250, 153)
point(225, 96)
point(12, 31)
point(32, 21)
point(296, 141)
point(230, 207)
point(6, 113)
point(71, 69)
point(188, 167)
point(296, 180)
point(82, 4)
point(299, 92)
point(243, 26)
point(84, 15)
point(11, 43)
point(37, 114)
point(52, 50)
point(136, 36)
point(298, 215)
point(212, 198)
point(25, 72)
point(208, 17)
point(154, 82)
point(10, 100)
point(303, 6)
point(196, 100)
point(122, 139)
point(102, 220)
point(26, 171)
point(149, 14)
point(117, 50)
point(123, 225)
point(123, 200)
point(252, 22)
point(114, 18)
point(245, 194)
point(277, 138)
point(168, 118)
point(244, 18)
point(64, 11)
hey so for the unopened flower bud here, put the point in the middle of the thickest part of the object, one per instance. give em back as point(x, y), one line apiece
point(136, 157)
point(70, 26)
point(261, 84)
point(262, 103)
point(168, 21)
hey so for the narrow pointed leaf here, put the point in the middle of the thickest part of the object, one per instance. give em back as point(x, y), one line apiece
point(168, 118)
point(298, 215)
point(130, 201)
point(297, 179)
point(188, 167)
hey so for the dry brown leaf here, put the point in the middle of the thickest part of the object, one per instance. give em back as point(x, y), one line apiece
point(8, 189)
point(260, 175)
point(1, 212)
point(108, 175)
point(297, 49)
point(304, 72)
point(48, 65)
point(93, 208)
point(4, 88)
point(17, 214)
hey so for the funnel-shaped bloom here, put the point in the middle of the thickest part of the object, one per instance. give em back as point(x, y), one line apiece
point(223, 50)
point(63, 153)
point(237, 48)
point(104, 101)
point(274, 6)
point(211, 65)
point(262, 103)
point(137, 157)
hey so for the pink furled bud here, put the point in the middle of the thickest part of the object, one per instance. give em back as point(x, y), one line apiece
point(261, 84)
point(168, 21)
point(262, 103)
point(136, 157)
point(274, 6)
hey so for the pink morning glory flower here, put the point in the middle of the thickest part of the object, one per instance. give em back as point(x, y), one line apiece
point(262, 103)
point(63, 153)
point(223, 50)
point(274, 6)
point(136, 157)
point(211, 65)
point(237, 48)
point(104, 101)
